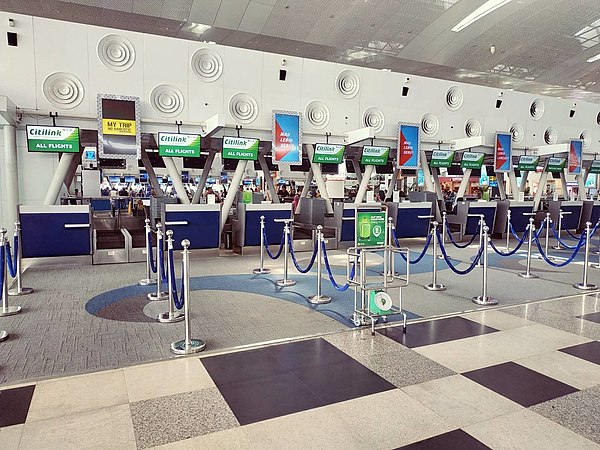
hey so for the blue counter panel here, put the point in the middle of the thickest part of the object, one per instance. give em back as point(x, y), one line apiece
point(571, 221)
point(518, 218)
point(595, 215)
point(100, 204)
point(45, 235)
point(202, 229)
point(274, 230)
point(408, 224)
point(489, 213)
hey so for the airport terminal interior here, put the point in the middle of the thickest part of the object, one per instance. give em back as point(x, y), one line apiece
point(263, 224)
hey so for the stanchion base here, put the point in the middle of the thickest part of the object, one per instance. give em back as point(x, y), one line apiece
point(147, 282)
point(595, 266)
point(318, 299)
point(557, 247)
point(10, 311)
point(481, 300)
point(440, 257)
point(196, 346)
point(285, 283)
point(585, 287)
point(23, 291)
point(153, 296)
point(551, 258)
point(528, 275)
point(3, 336)
point(435, 287)
point(170, 318)
point(261, 271)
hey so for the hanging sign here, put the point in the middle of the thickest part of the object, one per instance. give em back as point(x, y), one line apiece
point(556, 164)
point(595, 167)
point(408, 145)
point(175, 144)
point(328, 153)
point(47, 139)
point(472, 160)
point(575, 156)
point(240, 148)
point(441, 158)
point(503, 152)
point(287, 138)
point(528, 163)
point(118, 127)
point(374, 156)
point(370, 228)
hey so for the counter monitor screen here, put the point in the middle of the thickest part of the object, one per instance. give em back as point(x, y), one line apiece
point(129, 179)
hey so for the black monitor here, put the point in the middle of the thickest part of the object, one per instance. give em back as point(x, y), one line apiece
point(129, 179)
point(476, 173)
point(490, 170)
point(408, 172)
point(454, 169)
point(332, 169)
point(304, 167)
point(155, 159)
point(272, 167)
point(517, 172)
point(195, 163)
point(556, 175)
point(109, 163)
point(350, 166)
point(229, 165)
point(388, 168)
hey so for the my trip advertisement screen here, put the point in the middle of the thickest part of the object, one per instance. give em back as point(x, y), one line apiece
point(503, 152)
point(287, 145)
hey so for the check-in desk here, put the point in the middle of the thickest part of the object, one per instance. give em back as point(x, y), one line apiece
point(310, 214)
point(200, 224)
point(466, 219)
point(411, 219)
point(55, 231)
point(520, 213)
point(571, 213)
point(344, 218)
point(246, 228)
point(590, 212)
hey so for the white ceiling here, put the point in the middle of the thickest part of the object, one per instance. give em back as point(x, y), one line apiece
point(541, 46)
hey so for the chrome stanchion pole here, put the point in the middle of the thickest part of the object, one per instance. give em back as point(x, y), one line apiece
point(483, 299)
point(172, 315)
point(508, 231)
point(3, 334)
point(434, 285)
point(148, 281)
point(261, 269)
point(6, 310)
point(481, 226)
point(188, 345)
point(597, 266)
point(389, 271)
point(159, 294)
point(560, 218)
point(548, 222)
point(19, 290)
point(444, 225)
point(319, 299)
point(286, 250)
point(584, 285)
point(527, 273)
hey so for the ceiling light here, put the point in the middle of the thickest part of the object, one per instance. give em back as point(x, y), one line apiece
point(482, 11)
point(594, 58)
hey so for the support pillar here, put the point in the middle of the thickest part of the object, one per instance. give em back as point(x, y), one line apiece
point(362, 188)
point(11, 173)
point(176, 177)
point(59, 178)
point(318, 176)
point(464, 184)
point(205, 173)
point(233, 190)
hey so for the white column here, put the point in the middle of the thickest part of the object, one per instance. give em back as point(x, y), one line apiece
point(540, 190)
point(464, 184)
point(176, 177)
point(11, 173)
point(233, 190)
point(362, 189)
point(512, 178)
point(59, 178)
point(426, 172)
point(501, 187)
point(318, 177)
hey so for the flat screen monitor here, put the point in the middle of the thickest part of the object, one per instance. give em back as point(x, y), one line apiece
point(143, 177)
point(350, 167)
point(195, 163)
point(129, 179)
point(230, 165)
point(272, 167)
point(409, 172)
point(109, 163)
point(47, 139)
point(330, 169)
point(114, 179)
point(304, 167)
point(185, 176)
point(388, 168)
point(489, 168)
point(160, 180)
point(155, 159)
point(454, 169)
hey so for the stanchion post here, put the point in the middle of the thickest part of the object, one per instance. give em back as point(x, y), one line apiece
point(560, 218)
point(172, 315)
point(148, 281)
point(508, 230)
point(19, 290)
point(584, 285)
point(389, 245)
point(546, 244)
point(261, 270)
point(527, 273)
point(159, 294)
point(481, 226)
point(188, 345)
point(286, 251)
point(319, 299)
point(6, 310)
point(434, 285)
point(444, 225)
point(597, 266)
point(483, 299)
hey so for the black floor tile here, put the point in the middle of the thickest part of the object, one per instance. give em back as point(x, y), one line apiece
point(303, 354)
point(14, 405)
point(520, 384)
point(592, 317)
point(436, 331)
point(590, 351)
point(456, 439)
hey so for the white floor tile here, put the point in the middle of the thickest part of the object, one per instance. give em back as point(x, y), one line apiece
point(563, 367)
point(498, 319)
point(10, 437)
point(233, 439)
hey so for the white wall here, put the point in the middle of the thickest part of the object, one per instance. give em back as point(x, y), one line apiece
point(69, 54)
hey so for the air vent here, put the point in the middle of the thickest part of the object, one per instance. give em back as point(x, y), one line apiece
point(586, 137)
point(374, 117)
point(116, 52)
point(430, 124)
point(63, 90)
point(347, 84)
point(518, 132)
point(536, 110)
point(167, 100)
point(318, 115)
point(454, 98)
point(243, 107)
point(473, 128)
point(550, 136)
point(207, 65)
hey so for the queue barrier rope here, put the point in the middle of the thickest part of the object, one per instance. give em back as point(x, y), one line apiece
point(539, 232)
point(574, 236)
point(12, 261)
point(449, 233)
point(161, 255)
point(338, 287)
point(2, 262)
point(150, 252)
point(418, 258)
point(280, 245)
point(582, 240)
point(513, 251)
point(513, 232)
point(312, 259)
point(179, 302)
point(564, 244)
point(449, 262)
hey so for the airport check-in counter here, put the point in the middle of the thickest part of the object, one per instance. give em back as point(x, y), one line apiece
point(54, 231)
point(246, 228)
point(200, 224)
point(590, 212)
point(571, 213)
point(344, 218)
point(466, 219)
point(304, 228)
point(520, 213)
point(411, 219)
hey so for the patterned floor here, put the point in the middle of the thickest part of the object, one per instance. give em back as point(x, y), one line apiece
point(508, 378)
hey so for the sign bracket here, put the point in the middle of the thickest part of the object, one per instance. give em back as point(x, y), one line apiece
point(54, 115)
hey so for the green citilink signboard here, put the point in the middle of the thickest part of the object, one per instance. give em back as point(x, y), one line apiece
point(595, 167)
point(527, 162)
point(472, 160)
point(374, 156)
point(52, 139)
point(175, 144)
point(441, 158)
point(240, 148)
point(556, 164)
point(370, 228)
point(329, 153)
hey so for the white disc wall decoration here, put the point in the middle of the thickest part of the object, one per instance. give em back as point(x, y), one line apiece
point(430, 124)
point(116, 52)
point(64, 90)
point(551, 136)
point(167, 100)
point(454, 98)
point(347, 84)
point(518, 132)
point(537, 108)
point(473, 128)
point(207, 65)
point(586, 137)
point(317, 114)
point(243, 107)
point(374, 117)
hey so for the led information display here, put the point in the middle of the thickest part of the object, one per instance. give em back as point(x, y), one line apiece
point(556, 164)
point(287, 138)
point(503, 152)
point(408, 145)
point(118, 127)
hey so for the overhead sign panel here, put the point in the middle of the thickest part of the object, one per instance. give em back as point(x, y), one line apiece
point(374, 156)
point(556, 164)
point(240, 148)
point(575, 156)
point(45, 139)
point(595, 167)
point(287, 138)
point(329, 153)
point(441, 158)
point(503, 152)
point(408, 145)
point(528, 163)
point(175, 144)
point(472, 160)
point(118, 127)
